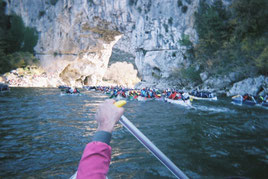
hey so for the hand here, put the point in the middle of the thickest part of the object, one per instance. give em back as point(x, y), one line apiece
point(108, 115)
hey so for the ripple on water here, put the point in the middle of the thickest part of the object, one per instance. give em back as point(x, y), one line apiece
point(43, 135)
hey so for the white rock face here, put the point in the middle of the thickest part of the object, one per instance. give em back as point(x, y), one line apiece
point(76, 37)
point(122, 73)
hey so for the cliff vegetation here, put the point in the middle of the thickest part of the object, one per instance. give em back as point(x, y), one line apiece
point(233, 39)
point(16, 42)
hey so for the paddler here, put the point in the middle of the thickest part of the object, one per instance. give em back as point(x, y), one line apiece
point(96, 157)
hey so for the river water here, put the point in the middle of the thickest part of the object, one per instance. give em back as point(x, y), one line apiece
point(43, 134)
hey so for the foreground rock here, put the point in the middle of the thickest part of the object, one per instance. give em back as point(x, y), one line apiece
point(31, 76)
point(219, 83)
point(252, 86)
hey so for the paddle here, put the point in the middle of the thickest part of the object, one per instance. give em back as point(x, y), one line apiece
point(148, 144)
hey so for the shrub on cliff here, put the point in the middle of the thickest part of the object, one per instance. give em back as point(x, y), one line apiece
point(187, 74)
point(185, 41)
point(232, 38)
point(16, 41)
point(15, 60)
point(261, 61)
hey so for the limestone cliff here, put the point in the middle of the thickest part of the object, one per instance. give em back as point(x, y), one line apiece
point(76, 37)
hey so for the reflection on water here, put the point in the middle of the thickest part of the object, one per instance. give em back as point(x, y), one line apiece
point(43, 135)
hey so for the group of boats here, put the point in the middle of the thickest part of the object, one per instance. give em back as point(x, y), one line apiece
point(146, 94)
point(169, 95)
point(174, 96)
point(250, 100)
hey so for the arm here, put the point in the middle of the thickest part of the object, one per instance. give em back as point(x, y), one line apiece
point(96, 157)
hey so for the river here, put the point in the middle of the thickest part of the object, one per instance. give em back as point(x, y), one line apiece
point(43, 134)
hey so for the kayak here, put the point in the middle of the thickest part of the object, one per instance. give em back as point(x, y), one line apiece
point(239, 100)
point(179, 102)
point(207, 99)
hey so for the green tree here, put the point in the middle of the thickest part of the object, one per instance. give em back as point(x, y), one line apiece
point(232, 39)
point(262, 61)
point(249, 17)
point(16, 41)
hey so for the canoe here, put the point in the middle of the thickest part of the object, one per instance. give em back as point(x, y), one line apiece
point(207, 99)
point(179, 102)
point(239, 100)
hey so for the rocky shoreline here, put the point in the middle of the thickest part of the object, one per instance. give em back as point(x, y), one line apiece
point(226, 85)
point(33, 76)
point(30, 76)
point(120, 73)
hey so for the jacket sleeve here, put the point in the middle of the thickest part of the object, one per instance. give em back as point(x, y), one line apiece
point(96, 158)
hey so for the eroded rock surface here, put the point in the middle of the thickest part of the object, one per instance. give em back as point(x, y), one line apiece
point(252, 86)
point(76, 37)
point(122, 73)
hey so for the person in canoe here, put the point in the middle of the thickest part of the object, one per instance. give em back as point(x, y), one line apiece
point(246, 97)
point(72, 90)
point(96, 157)
point(173, 95)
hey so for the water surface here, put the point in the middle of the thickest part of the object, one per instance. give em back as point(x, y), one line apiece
point(43, 134)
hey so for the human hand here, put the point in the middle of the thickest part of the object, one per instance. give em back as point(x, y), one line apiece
point(107, 115)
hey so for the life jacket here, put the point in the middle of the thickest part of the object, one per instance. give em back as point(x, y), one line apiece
point(246, 97)
point(173, 95)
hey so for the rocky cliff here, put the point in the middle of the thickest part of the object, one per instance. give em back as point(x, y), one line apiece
point(76, 37)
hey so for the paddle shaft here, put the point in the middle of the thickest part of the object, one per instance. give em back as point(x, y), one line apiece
point(152, 148)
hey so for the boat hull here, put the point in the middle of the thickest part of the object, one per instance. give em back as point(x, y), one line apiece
point(206, 99)
point(239, 100)
point(179, 102)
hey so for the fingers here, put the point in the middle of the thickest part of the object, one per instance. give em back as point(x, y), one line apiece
point(120, 113)
point(110, 101)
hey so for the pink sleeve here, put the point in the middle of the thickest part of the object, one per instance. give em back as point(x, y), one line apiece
point(95, 161)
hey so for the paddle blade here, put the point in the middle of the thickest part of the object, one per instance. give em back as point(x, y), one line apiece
point(120, 103)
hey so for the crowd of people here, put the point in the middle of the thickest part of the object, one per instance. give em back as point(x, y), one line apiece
point(250, 100)
point(147, 93)
point(202, 94)
point(119, 92)
point(257, 99)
